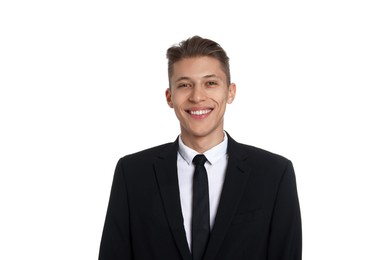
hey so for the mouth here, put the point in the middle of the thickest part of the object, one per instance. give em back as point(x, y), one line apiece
point(199, 113)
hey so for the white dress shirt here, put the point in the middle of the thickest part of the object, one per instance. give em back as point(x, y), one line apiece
point(217, 159)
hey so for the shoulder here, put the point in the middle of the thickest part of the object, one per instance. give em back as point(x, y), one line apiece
point(257, 153)
point(138, 169)
point(260, 153)
point(257, 157)
point(140, 165)
point(147, 155)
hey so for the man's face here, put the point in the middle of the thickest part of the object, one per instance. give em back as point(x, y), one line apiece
point(199, 94)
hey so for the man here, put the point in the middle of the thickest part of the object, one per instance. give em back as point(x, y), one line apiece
point(240, 202)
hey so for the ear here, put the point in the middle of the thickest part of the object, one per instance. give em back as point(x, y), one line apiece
point(231, 93)
point(168, 96)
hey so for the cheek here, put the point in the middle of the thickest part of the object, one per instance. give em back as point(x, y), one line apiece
point(177, 101)
point(223, 98)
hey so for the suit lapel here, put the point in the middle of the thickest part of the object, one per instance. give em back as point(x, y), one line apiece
point(166, 173)
point(234, 186)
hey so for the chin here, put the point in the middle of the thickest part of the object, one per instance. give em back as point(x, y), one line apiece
point(196, 132)
point(202, 132)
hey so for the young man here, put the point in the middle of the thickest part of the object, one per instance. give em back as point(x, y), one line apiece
point(239, 202)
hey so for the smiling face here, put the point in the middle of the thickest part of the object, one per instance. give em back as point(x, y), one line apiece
point(199, 93)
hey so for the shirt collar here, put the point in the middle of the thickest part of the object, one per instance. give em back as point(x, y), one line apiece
point(212, 155)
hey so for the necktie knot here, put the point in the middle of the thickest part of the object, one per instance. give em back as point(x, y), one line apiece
point(199, 160)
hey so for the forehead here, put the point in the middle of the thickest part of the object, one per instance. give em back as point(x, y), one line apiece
point(197, 67)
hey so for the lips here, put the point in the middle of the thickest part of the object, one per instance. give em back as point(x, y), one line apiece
point(199, 112)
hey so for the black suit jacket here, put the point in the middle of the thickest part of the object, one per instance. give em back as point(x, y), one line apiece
point(258, 215)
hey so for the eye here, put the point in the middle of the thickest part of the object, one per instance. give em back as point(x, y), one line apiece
point(211, 83)
point(183, 85)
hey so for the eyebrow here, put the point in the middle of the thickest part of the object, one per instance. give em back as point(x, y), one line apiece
point(182, 78)
point(211, 76)
point(205, 77)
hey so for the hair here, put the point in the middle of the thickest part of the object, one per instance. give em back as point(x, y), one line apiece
point(198, 47)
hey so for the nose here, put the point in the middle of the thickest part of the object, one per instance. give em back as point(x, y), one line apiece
point(197, 94)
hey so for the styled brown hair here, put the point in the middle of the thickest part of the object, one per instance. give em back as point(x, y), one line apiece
point(197, 47)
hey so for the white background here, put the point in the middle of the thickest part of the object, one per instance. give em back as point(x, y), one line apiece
point(82, 84)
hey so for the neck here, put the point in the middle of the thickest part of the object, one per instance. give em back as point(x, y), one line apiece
point(202, 143)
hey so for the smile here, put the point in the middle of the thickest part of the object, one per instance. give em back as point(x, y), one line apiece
point(199, 112)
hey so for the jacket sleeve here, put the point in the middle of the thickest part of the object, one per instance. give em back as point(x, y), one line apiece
point(286, 232)
point(116, 243)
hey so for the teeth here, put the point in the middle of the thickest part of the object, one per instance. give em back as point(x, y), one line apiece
point(200, 112)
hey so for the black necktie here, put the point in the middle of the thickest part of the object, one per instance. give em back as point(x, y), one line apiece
point(200, 208)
